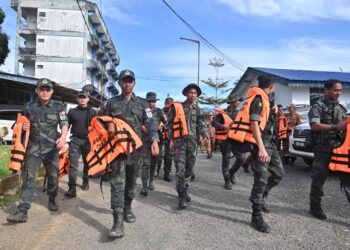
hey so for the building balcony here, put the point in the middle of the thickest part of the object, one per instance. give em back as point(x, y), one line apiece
point(27, 58)
point(14, 3)
point(27, 51)
point(100, 52)
point(91, 64)
point(93, 42)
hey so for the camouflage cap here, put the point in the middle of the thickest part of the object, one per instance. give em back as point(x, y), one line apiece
point(83, 93)
point(44, 82)
point(126, 73)
point(192, 86)
point(151, 96)
point(169, 99)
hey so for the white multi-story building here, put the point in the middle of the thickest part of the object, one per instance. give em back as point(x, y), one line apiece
point(66, 41)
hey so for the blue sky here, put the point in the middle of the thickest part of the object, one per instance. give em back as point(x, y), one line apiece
point(292, 34)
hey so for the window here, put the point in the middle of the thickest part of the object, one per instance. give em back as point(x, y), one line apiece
point(41, 40)
point(39, 66)
point(42, 14)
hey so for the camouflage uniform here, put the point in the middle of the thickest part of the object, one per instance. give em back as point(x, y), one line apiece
point(125, 169)
point(324, 111)
point(79, 118)
point(167, 153)
point(226, 148)
point(148, 167)
point(263, 183)
point(185, 146)
point(44, 120)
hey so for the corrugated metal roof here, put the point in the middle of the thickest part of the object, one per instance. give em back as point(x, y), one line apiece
point(307, 75)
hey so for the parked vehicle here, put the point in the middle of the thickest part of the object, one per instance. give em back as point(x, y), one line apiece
point(8, 116)
point(297, 139)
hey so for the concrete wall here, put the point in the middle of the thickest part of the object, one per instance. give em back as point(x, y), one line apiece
point(282, 95)
point(300, 95)
point(60, 46)
point(61, 20)
point(64, 73)
point(345, 97)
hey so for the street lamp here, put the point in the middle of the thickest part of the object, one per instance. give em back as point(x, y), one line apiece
point(199, 46)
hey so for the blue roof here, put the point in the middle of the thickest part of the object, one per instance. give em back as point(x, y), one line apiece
point(306, 75)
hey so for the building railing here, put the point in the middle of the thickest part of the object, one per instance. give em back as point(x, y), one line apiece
point(27, 51)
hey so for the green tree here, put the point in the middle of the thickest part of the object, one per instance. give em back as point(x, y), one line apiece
point(4, 40)
point(216, 84)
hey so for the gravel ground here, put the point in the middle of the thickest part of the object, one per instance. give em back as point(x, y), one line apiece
point(216, 219)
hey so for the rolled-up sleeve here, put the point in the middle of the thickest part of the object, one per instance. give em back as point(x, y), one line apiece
point(255, 109)
point(314, 114)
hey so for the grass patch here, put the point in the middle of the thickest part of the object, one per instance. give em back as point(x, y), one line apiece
point(4, 161)
point(8, 199)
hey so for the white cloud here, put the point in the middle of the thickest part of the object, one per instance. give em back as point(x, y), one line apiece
point(120, 11)
point(292, 10)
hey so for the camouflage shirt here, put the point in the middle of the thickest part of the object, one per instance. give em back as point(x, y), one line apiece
point(195, 121)
point(133, 112)
point(44, 121)
point(326, 111)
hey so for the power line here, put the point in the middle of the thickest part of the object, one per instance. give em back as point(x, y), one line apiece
point(230, 60)
point(180, 78)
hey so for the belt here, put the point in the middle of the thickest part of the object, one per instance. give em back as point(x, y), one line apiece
point(81, 136)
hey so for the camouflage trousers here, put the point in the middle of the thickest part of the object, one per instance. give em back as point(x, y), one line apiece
point(226, 149)
point(29, 172)
point(263, 182)
point(146, 160)
point(123, 179)
point(319, 175)
point(77, 147)
point(185, 159)
point(168, 157)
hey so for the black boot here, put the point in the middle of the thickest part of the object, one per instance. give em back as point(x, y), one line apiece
point(187, 197)
point(182, 199)
point(167, 177)
point(246, 168)
point(317, 212)
point(228, 184)
point(71, 193)
point(193, 177)
point(52, 204)
point(258, 221)
point(117, 230)
point(20, 216)
point(129, 215)
point(85, 185)
point(232, 177)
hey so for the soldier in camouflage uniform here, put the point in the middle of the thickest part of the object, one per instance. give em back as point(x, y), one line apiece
point(79, 119)
point(265, 157)
point(131, 108)
point(328, 122)
point(43, 147)
point(154, 117)
point(185, 146)
point(168, 153)
point(225, 147)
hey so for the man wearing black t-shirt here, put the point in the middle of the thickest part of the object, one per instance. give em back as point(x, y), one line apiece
point(79, 119)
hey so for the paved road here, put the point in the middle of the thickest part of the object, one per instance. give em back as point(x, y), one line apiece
point(217, 219)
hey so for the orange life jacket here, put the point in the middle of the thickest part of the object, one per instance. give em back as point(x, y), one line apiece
point(63, 160)
point(104, 149)
point(241, 130)
point(340, 160)
point(283, 130)
point(221, 134)
point(179, 122)
point(19, 143)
